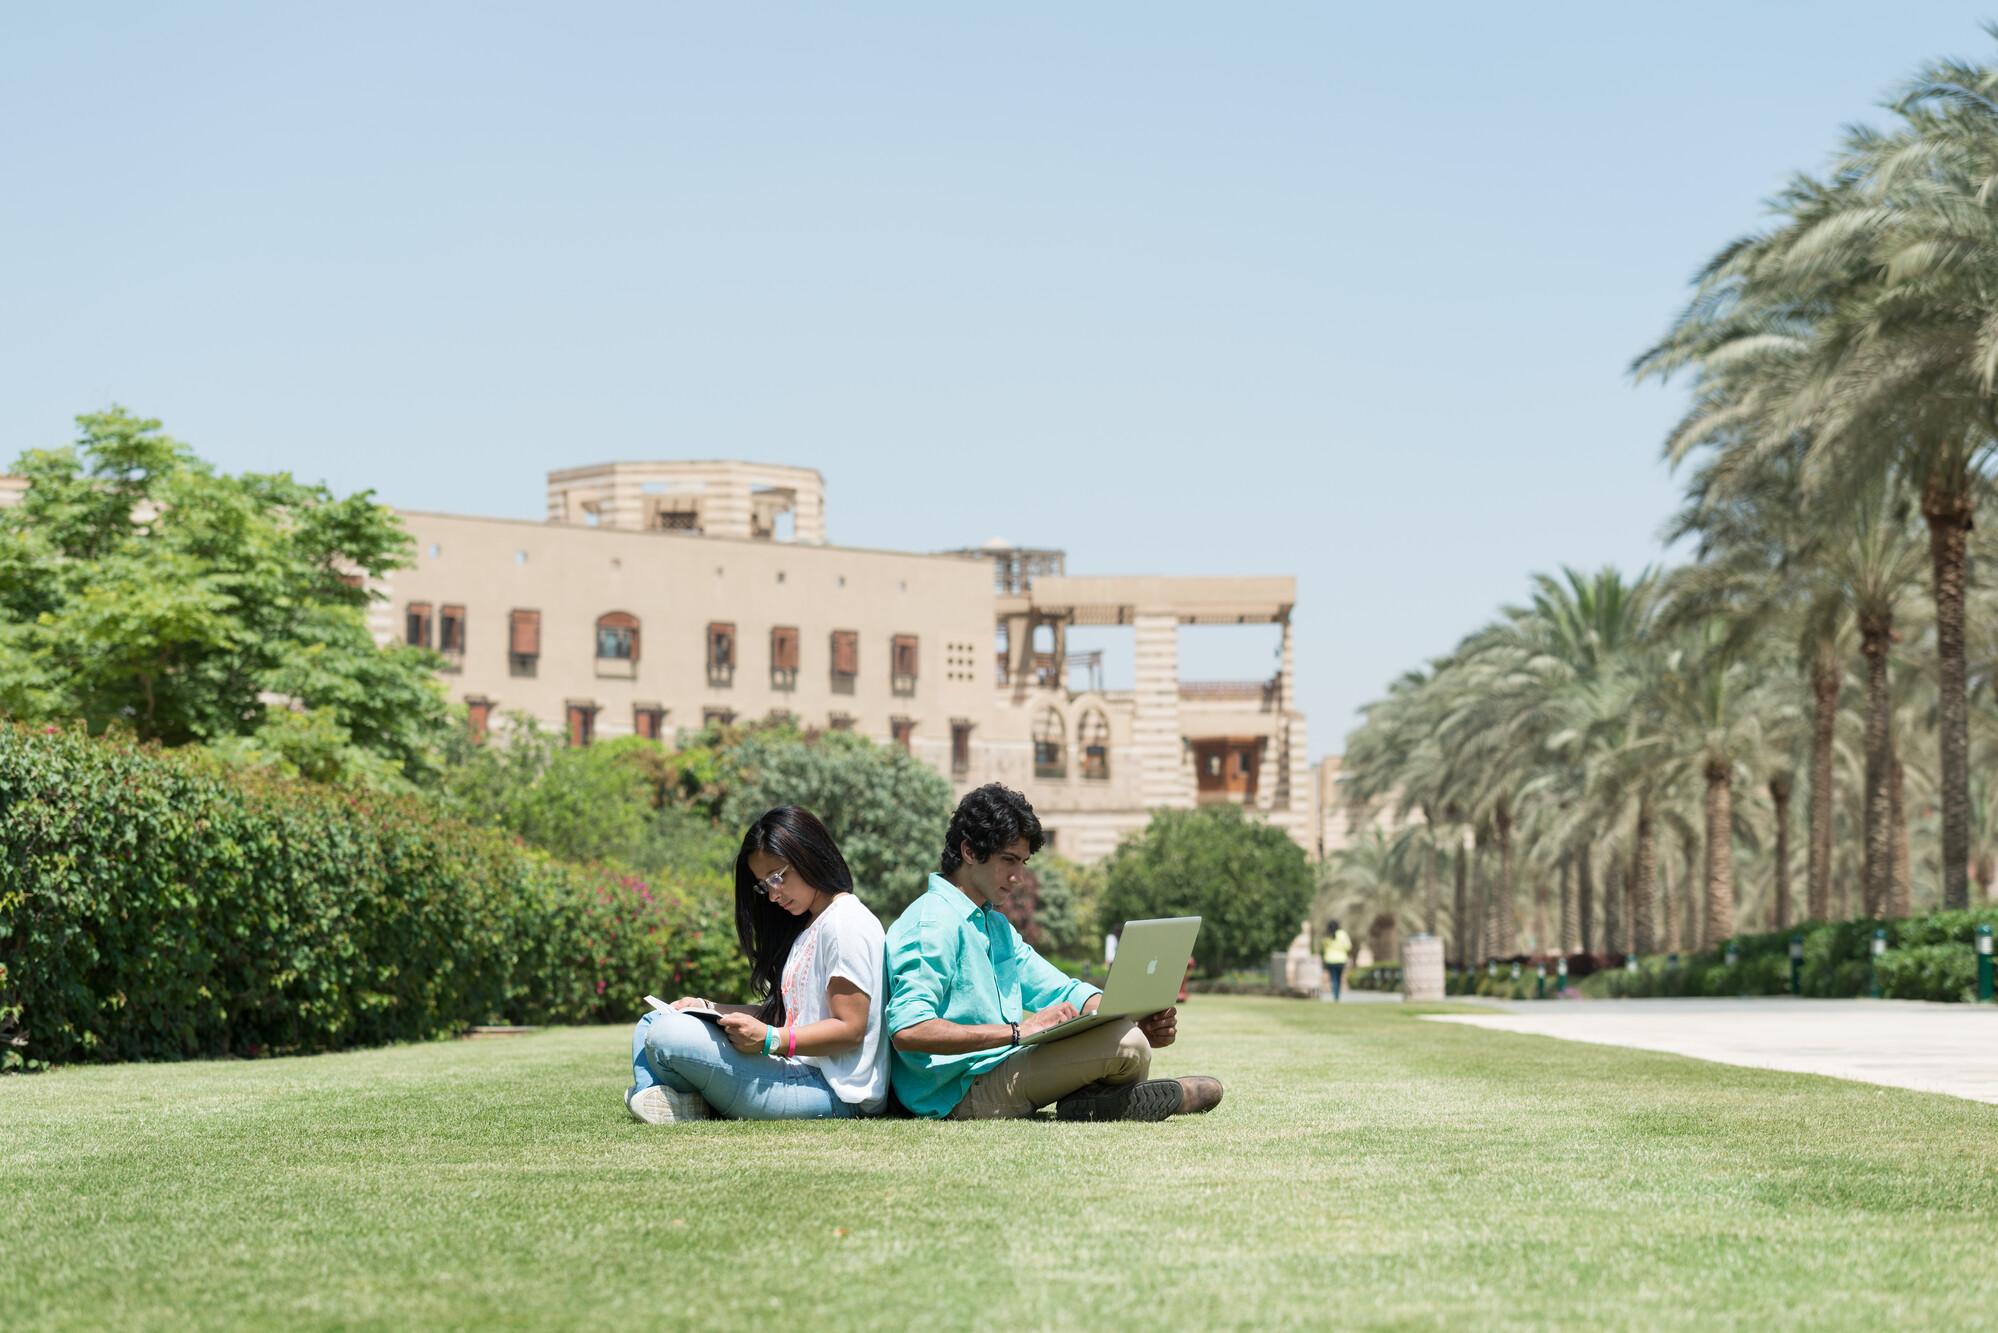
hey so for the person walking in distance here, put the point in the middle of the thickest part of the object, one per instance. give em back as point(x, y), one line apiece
point(1338, 948)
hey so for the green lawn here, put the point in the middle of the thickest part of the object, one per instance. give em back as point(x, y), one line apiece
point(1365, 1166)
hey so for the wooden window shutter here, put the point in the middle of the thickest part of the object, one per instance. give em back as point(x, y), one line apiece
point(845, 652)
point(525, 636)
point(784, 648)
point(721, 644)
point(451, 629)
point(905, 654)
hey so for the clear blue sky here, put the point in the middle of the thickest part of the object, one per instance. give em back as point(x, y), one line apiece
point(1346, 292)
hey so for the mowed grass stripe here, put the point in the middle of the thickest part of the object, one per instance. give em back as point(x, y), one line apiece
point(1391, 1172)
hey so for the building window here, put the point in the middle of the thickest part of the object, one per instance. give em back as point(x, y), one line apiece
point(960, 748)
point(1050, 745)
point(721, 653)
point(1092, 740)
point(840, 722)
point(582, 723)
point(617, 646)
point(900, 730)
point(523, 644)
point(902, 663)
point(784, 657)
point(649, 721)
point(416, 625)
point(451, 630)
point(1002, 644)
point(478, 716)
point(845, 660)
point(617, 637)
point(1226, 769)
point(717, 717)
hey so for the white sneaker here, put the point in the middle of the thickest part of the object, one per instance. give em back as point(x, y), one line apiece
point(659, 1105)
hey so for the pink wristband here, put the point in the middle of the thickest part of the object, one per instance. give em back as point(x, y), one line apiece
point(792, 1053)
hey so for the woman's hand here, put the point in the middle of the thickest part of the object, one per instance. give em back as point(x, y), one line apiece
point(689, 1002)
point(745, 1032)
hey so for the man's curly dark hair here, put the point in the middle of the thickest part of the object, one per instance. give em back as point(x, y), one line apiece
point(989, 819)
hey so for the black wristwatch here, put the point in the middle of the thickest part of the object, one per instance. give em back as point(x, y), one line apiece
point(1016, 1034)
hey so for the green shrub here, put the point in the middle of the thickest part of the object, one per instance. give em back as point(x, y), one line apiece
point(1928, 958)
point(1247, 881)
point(156, 907)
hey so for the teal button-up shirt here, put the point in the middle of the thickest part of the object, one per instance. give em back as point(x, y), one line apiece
point(949, 958)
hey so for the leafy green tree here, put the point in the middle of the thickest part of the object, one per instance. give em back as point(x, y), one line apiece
point(140, 588)
point(1248, 882)
point(886, 810)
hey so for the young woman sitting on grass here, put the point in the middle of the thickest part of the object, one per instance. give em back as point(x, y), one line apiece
point(813, 1049)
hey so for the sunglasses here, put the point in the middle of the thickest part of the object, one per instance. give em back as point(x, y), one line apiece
point(771, 882)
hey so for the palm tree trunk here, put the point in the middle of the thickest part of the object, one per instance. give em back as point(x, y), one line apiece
point(1478, 895)
point(1499, 923)
point(1459, 916)
point(1981, 868)
point(1779, 796)
point(1540, 936)
point(1720, 851)
point(1585, 898)
point(1613, 891)
point(1876, 635)
point(1900, 882)
point(1570, 927)
point(1643, 886)
point(1689, 875)
point(1430, 905)
point(1947, 505)
point(1669, 890)
point(1824, 687)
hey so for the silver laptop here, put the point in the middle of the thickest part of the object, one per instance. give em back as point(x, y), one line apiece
point(1151, 962)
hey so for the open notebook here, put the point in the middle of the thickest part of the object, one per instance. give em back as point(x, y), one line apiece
point(708, 1012)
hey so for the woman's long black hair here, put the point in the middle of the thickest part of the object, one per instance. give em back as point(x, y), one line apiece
point(766, 931)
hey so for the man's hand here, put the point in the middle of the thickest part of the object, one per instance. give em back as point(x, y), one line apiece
point(1047, 1018)
point(745, 1032)
point(1161, 1028)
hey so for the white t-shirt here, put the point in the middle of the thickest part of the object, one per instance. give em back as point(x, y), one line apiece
point(846, 941)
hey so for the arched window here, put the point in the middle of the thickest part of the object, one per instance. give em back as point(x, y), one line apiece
point(617, 637)
point(1092, 739)
point(1050, 745)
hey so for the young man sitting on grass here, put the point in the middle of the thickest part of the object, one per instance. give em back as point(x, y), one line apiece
point(962, 982)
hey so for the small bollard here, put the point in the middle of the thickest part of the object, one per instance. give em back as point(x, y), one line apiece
point(1733, 954)
point(1796, 965)
point(1984, 965)
point(1540, 981)
point(1515, 971)
point(1630, 962)
point(1491, 968)
point(1561, 972)
point(1873, 964)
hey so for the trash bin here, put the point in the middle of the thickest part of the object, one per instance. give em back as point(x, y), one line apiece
point(1422, 968)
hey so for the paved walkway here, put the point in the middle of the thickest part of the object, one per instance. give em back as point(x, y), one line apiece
point(1946, 1048)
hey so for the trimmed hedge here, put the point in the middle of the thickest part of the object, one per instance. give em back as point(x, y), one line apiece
point(154, 908)
point(1929, 957)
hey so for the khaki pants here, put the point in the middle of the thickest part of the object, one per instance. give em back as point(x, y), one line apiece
point(1114, 1053)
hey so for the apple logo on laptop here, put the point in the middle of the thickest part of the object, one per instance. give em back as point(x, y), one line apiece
point(1152, 967)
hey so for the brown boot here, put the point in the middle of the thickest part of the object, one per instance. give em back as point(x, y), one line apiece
point(1199, 1093)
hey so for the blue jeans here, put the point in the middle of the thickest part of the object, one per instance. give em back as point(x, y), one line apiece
point(688, 1054)
point(1338, 971)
